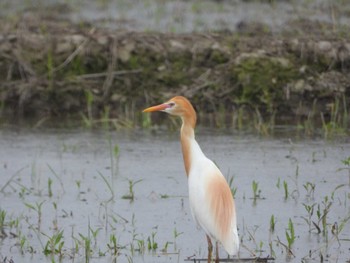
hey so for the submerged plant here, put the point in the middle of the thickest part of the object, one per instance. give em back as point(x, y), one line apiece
point(113, 245)
point(321, 213)
point(2, 219)
point(326, 208)
point(131, 194)
point(2, 224)
point(94, 233)
point(310, 189)
point(78, 184)
point(151, 243)
point(310, 211)
point(346, 162)
point(278, 184)
point(114, 152)
point(140, 245)
point(290, 234)
point(54, 246)
point(272, 251)
point(22, 242)
point(49, 186)
point(165, 248)
point(232, 188)
point(272, 223)
point(110, 187)
point(256, 190)
point(260, 250)
point(57, 177)
point(285, 186)
point(37, 208)
point(176, 234)
point(86, 240)
point(337, 229)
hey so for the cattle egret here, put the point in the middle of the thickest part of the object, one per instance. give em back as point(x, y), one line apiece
point(211, 201)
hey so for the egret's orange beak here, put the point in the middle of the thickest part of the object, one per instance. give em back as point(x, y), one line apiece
point(159, 107)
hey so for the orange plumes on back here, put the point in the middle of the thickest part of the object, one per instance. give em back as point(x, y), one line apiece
point(221, 203)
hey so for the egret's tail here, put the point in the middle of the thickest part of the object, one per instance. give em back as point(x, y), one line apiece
point(232, 244)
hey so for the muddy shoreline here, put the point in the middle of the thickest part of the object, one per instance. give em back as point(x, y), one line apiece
point(53, 68)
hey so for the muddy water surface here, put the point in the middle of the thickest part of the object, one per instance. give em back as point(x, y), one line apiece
point(72, 181)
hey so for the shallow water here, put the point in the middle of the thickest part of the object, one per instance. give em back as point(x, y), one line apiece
point(79, 164)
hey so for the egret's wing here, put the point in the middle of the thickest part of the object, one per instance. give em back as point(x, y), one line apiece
point(213, 206)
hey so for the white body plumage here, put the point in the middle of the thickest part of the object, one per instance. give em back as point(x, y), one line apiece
point(203, 173)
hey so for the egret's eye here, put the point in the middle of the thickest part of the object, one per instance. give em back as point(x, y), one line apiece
point(171, 104)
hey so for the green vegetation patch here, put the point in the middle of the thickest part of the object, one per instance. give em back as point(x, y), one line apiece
point(261, 79)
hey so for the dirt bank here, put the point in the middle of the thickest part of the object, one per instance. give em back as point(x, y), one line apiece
point(51, 68)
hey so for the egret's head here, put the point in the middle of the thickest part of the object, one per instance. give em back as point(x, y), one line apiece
point(178, 106)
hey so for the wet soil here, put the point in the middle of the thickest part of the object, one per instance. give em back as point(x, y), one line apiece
point(292, 64)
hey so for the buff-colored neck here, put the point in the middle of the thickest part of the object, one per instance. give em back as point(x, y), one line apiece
point(187, 135)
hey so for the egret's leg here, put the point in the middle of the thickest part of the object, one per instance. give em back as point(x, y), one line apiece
point(210, 248)
point(217, 252)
